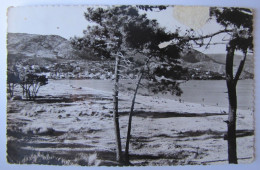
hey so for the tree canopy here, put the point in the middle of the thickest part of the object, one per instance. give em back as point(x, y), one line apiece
point(240, 22)
point(121, 30)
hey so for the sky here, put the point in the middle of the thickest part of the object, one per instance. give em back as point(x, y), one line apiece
point(69, 21)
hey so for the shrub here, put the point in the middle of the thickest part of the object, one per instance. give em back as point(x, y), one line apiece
point(31, 84)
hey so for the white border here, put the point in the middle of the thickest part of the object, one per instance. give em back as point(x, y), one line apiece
point(255, 4)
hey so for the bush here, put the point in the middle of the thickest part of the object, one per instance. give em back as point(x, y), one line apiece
point(12, 80)
point(31, 84)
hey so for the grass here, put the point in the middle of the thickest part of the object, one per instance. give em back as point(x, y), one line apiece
point(42, 158)
point(46, 158)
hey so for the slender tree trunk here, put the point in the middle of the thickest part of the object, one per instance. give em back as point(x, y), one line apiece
point(115, 114)
point(22, 88)
point(37, 89)
point(130, 121)
point(9, 89)
point(26, 92)
point(12, 91)
point(232, 97)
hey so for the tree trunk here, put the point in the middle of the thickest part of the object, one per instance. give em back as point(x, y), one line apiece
point(232, 97)
point(130, 121)
point(12, 91)
point(115, 113)
point(232, 152)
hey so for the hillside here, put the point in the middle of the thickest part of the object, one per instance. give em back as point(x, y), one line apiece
point(43, 46)
point(194, 59)
point(249, 64)
point(199, 62)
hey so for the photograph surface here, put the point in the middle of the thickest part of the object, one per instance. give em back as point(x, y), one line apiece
point(128, 85)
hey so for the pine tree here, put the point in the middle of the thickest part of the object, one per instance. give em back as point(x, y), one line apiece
point(237, 24)
point(240, 22)
point(107, 39)
point(159, 66)
point(131, 40)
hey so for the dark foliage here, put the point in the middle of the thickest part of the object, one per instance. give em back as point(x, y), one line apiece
point(12, 80)
point(31, 84)
point(240, 20)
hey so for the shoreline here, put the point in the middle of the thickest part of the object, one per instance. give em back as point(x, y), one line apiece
point(216, 97)
point(164, 132)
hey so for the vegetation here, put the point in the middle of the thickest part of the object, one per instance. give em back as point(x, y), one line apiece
point(238, 22)
point(121, 33)
point(107, 40)
point(12, 81)
point(31, 84)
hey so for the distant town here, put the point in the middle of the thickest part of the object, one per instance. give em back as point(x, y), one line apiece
point(70, 70)
point(80, 69)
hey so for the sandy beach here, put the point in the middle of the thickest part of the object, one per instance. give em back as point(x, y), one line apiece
point(73, 125)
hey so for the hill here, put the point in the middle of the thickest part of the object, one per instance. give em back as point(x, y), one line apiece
point(199, 63)
point(40, 46)
point(194, 59)
point(249, 64)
